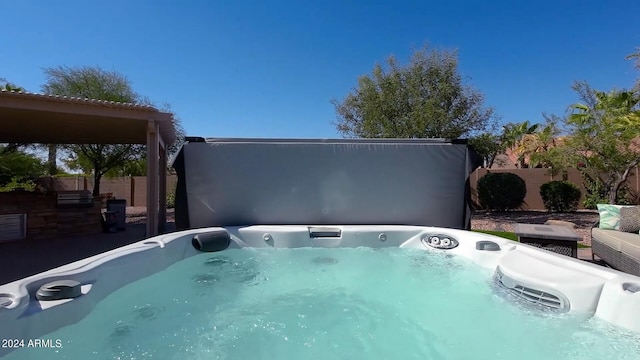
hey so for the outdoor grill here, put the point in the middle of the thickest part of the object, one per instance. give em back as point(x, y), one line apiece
point(74, 198)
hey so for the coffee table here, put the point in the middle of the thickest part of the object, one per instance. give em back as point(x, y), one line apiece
point(559, 239)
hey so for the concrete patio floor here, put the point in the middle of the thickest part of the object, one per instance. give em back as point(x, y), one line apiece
point(20, 259)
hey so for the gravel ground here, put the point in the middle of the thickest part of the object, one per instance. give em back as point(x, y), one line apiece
point(504, 221)
point(138, 215)
point(501, 221)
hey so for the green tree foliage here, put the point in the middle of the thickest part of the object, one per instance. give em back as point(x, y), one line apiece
point(174, 147)
point(605, 135)
point(110, 160)
point(488, 146)
point(526, 140)
point(425, 99)
point(636, 57)
point(512, 133)
point(95, 83)
point(7, 86)
point(136, 167)
point(19, 167)
point(596, 192)
point(544, 140)
point(90, 82)
point(512, 137)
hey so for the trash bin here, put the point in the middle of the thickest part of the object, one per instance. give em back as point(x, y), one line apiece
point(120, 207)
point(110, 221)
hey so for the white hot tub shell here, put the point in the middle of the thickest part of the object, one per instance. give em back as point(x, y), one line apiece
point(539, 276)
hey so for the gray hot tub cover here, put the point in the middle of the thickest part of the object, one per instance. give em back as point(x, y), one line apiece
point(237, 182)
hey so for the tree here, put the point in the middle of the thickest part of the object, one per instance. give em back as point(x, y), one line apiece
point(488, 146)
point(635, 56)
point(605, 135)
point(173, 148)
point(137, 166)
point(512, 137)
point(19, 166)
point(534, 145)
point(95, 83)
point(425, 99)
point(110, 160)
point(7, 86)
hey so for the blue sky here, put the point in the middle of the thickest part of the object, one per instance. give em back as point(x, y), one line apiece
point(271, 68)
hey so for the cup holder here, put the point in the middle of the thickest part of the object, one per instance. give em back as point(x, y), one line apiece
point(154, 242)
point(631, 287)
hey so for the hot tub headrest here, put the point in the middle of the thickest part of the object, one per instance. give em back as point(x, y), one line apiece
point(58, 290)
point(211, 241)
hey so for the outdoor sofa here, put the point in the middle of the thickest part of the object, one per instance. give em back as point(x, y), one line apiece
point(616, 238)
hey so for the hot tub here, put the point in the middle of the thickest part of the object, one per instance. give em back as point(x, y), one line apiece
point(248, 276)
point(571, 299)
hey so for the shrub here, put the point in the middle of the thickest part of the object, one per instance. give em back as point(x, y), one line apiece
point(171, 200)
point(591, 201)
point(501, 191)
point(16, 184)
point(560, 196)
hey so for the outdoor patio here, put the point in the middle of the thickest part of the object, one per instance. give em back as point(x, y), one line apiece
point(20, 259)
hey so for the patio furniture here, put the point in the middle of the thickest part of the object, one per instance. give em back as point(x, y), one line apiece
point(556, 238)
point(619, 249)
point(615, 239)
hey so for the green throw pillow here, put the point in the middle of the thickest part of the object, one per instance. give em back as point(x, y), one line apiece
point(609, 216)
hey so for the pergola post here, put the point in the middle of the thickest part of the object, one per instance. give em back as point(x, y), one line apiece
point(153, 177)
point(162, 210)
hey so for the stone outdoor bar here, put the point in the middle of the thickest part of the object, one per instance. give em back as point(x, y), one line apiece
point(26, 215)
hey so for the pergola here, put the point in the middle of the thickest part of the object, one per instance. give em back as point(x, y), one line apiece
point(36, 118)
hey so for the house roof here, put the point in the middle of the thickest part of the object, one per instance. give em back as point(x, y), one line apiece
point(37, 118)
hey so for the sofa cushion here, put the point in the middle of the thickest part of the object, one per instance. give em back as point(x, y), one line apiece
point(610, 216)
point(612, 238)
point(630, 219)
point(631, 247)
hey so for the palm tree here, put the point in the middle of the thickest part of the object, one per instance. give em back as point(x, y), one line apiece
point(635, 56)
point(533, 146)
point(512, 137)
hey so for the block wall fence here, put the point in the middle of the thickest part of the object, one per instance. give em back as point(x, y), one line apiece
point(134, 188)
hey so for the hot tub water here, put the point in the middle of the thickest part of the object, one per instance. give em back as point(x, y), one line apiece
point(319, 303)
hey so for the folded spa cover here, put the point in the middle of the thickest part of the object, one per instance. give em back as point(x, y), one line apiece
point(237, 182)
